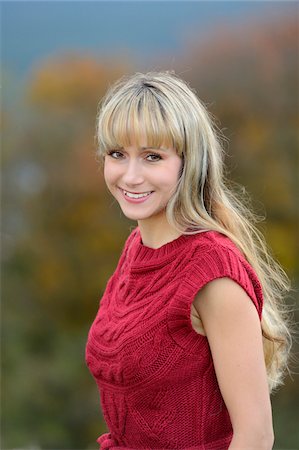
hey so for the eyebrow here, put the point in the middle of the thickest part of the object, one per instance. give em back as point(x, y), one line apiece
point(154, 148)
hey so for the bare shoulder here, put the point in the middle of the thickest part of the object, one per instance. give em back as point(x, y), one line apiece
point(224, 300)
point(233, 329)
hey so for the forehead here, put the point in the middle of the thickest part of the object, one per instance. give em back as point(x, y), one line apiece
point(139, 122)
point(141, 134)
point(143, 145)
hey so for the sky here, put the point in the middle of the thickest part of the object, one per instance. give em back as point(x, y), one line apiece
point(35, 30)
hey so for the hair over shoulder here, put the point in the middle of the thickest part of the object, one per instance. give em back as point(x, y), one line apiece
point(164, 110)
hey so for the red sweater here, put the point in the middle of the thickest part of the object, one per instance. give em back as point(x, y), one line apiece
point(155, 374)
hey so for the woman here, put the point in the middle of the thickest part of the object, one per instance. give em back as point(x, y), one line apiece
point(191, 336)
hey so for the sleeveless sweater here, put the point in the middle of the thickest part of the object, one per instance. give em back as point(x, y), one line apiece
point(155, 373)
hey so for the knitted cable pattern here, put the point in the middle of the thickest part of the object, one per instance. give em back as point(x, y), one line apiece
point(155, 374)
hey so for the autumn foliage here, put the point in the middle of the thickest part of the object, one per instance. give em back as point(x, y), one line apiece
point(63, 233)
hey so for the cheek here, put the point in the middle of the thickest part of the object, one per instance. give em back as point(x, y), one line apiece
point(173, 173)
point(109, 173)
point(106, 174)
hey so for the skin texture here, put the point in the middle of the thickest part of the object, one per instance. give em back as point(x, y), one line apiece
point(140, 170)
point(233, 330)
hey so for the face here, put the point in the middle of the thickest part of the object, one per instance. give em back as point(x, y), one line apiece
point(142, 179)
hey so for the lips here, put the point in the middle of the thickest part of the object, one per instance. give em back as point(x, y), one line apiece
point(136, 198)
point(137, 194)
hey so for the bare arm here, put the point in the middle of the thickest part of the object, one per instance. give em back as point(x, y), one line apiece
point(233, 330)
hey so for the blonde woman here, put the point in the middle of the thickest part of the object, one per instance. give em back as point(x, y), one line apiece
point(191, 335)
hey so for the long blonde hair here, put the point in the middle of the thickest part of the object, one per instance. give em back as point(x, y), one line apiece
point(162, 108)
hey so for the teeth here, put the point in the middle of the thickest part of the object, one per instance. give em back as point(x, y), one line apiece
point(129, 194)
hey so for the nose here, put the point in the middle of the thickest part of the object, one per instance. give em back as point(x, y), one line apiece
point(133, 174)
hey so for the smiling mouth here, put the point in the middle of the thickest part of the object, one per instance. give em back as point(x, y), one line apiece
point(136, 194)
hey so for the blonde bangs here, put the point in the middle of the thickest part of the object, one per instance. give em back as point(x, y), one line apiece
point(160, 109)
point(140, 119)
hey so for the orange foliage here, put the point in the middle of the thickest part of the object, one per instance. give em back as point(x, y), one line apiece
point(72, 82)
point(250, 60)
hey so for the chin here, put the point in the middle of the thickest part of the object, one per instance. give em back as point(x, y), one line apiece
point(135, 217)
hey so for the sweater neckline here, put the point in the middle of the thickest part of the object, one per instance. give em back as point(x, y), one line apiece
point(144, 253)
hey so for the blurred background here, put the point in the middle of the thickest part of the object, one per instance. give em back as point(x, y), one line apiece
point(61, 232)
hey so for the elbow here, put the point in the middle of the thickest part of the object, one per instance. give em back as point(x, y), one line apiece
point(266, 441)
point(270, 439)
point(253, 431)
point(266, 437)
point(253, 438)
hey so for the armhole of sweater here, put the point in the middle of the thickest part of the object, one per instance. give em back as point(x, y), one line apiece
point(219, 262)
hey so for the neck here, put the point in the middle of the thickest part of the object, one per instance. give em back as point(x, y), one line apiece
point(155, 234)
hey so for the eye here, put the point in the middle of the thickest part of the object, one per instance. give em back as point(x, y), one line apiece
point(154, 157)
point(114, 154)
